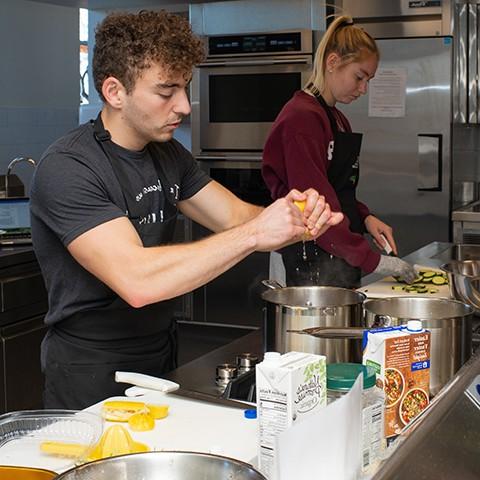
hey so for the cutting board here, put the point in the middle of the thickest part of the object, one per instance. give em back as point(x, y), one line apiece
point(190, 426)
point(383, 288)
point(197, 427)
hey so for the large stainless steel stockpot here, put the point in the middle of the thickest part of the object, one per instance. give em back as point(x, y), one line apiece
point(290, 310)
point(450, 324)
point(163, 465)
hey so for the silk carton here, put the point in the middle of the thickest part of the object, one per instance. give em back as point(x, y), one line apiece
point(289, 388)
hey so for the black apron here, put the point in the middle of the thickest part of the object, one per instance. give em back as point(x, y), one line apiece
point(81, 353)
point(305, 262)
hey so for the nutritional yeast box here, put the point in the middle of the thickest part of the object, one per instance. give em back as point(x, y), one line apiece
point(289, 387)
point(402, 363)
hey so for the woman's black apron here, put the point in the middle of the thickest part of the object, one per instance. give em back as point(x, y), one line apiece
point(306, 263)
point(81, 354)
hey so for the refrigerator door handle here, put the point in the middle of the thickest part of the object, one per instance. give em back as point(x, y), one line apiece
point(429, 177)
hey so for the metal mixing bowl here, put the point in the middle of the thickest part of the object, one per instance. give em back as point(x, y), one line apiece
point(164, 466)
point(464, 281)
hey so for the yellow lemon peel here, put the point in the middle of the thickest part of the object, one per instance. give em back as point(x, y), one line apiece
point(141, 422)
point(116, 440)
point(121, 411)
point(63, 449)
point(157, 411)
point(300, 204)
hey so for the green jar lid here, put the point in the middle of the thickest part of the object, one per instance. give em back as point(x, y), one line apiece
point(342, 376)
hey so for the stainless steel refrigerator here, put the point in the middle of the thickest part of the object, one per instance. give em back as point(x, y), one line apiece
point(406, 121)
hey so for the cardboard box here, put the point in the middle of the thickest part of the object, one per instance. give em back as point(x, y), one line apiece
point(402, 362)
point(290, 388)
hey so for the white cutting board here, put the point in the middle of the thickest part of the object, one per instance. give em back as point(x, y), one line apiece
point(197, 427)
point(190, 426)
point(383, 288)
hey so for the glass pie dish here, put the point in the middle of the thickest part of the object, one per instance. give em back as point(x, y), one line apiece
point(48, 439)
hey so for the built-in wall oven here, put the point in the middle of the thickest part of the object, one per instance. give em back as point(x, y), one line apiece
point(236, 95)
point(240, 89)
point(233, 298)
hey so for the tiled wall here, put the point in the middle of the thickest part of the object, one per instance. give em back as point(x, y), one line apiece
point(27, 131)
point(39, 81)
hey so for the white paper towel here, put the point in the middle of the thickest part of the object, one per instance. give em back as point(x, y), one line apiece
point(327, 445)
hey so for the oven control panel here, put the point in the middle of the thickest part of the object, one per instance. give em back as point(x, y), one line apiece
point(261, 43)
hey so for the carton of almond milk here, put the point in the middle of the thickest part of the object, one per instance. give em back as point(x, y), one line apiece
point(289, 387)
point(401, 359)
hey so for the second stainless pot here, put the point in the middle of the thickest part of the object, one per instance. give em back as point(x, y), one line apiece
point(449, 322)
point(297, 308)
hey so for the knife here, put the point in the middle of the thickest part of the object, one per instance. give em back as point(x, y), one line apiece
point(387, 247)
point(147, 383)
point(206, 397)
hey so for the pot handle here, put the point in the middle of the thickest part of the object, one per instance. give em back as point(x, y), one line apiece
point(332, 332)
point(381, 321)
point(272, 284)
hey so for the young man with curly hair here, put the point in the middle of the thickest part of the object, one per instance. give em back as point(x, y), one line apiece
point(104, 202)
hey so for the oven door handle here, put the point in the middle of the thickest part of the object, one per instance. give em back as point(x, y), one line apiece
point(248, 63)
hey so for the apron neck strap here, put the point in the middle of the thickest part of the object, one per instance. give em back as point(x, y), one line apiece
point(331, 118)
point(99, 131)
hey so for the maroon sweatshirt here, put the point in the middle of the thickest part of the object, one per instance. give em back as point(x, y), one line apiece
point(297, 155)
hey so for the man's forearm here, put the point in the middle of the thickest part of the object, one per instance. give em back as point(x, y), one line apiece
point(159, 273)
point(114, 253)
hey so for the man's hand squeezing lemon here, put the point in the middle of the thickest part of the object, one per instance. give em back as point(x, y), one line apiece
point(301, 206)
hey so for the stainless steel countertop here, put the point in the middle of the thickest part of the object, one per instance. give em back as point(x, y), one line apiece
point(432, 255)
point(444, 442)
point(468, 213)
point(199, 374)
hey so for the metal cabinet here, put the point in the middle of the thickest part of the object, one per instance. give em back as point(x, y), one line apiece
point(22, 379)
point(23, 304)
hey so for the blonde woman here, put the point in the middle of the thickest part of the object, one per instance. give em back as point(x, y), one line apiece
point(311, 144)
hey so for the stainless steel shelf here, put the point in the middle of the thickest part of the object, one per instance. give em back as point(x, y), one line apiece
point(468, 213)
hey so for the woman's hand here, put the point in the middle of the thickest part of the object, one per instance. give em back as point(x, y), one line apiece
point(376, 228)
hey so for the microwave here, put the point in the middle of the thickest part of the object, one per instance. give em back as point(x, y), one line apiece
point(241, 88)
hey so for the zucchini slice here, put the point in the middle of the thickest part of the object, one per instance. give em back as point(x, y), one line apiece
point(439, 280)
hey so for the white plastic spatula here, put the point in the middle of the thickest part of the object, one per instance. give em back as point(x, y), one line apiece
point(143, 383)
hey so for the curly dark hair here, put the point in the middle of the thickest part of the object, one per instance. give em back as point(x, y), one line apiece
point(127, 43)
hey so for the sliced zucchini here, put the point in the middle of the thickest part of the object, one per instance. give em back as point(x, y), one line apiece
point(433, 290)
point(397, 287)
point(439, 280)
point(429, 274)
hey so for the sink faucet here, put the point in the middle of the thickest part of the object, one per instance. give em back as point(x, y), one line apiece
point(10, 166)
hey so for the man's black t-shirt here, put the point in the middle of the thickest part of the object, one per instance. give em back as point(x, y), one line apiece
point(75, 189)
